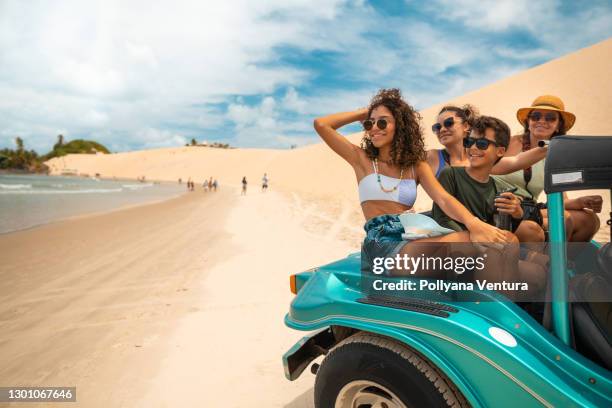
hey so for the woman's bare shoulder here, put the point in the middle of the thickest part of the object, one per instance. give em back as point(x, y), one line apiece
point(432, 154)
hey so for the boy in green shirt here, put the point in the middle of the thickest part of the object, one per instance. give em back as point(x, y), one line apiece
point(476, 190)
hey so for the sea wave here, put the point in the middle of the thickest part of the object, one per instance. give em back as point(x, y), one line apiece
point(84, 191)
point(15, 186)
point(137, 186)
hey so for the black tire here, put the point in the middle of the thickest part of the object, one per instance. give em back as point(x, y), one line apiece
point(397, 372)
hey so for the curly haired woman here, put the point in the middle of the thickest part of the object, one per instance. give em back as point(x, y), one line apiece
point(388, 166)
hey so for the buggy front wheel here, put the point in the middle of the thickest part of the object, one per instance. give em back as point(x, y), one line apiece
point(367, 370)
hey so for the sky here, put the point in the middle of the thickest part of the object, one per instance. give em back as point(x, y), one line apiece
point(148, 74)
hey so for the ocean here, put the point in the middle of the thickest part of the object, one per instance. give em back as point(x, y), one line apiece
point(30, 200)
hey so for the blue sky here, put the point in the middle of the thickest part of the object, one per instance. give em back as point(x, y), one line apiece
point(148, 74)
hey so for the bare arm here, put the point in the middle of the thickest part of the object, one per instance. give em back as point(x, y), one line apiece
point(479, 230)
point(326, 128)
point(509, 164)
point(593, 202)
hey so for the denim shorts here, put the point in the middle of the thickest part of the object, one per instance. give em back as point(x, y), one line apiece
point(383, 240)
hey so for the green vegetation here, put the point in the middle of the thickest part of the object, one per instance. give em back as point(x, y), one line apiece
point(207, 144)
point(75, 146)
point(21, 159)
point(28, 160)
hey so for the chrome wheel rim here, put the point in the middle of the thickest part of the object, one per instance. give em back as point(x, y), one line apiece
point(367, 394)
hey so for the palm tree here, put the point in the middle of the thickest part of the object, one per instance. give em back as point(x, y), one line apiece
point(19, 159)
point(19, 143)
point(193, 142)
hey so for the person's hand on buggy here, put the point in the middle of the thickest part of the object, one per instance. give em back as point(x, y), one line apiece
point(592, 202)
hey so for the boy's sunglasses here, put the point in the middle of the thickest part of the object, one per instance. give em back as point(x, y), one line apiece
point(548, 117)
point(448, 123)
point(368, 124)
point(481, 144)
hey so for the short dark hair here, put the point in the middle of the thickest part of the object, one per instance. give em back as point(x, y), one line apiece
point(499, 127)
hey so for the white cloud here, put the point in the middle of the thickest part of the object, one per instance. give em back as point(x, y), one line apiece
point(288, 121)
point(160, 138)
point(292, 101)
point(557, 30)
point(496, 15)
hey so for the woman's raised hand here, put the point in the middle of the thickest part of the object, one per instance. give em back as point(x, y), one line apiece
point(326, 128)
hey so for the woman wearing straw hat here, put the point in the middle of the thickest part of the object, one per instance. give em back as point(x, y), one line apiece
point(543, 120)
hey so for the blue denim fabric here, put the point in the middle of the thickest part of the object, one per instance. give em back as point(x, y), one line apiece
point(383, 239)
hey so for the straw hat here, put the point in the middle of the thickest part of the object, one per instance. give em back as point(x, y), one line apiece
point(547, 102)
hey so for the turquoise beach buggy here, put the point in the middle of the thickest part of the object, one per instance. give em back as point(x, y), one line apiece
point(486, 352)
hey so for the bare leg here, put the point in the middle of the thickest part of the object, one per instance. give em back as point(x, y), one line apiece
point(535, 276)
point(427, 247)
point(585, 225)
point(569, 224)
point(529, 231)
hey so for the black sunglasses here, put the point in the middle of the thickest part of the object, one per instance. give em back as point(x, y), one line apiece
point(549, 116)
point(481, 144)
point(448, 123)
point(368, 124)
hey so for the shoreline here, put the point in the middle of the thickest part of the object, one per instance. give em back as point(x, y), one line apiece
point(92, 214)
point(95, 213)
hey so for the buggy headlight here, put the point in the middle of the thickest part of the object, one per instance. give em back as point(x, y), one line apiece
point(502, 336)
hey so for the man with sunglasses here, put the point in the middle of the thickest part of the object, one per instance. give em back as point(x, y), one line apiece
point(476, 190)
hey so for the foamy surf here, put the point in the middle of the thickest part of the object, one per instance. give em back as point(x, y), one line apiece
point(15, 186)
point(137, 186)
point(85, 191)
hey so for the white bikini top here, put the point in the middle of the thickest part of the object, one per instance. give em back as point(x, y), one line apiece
point(405, 193)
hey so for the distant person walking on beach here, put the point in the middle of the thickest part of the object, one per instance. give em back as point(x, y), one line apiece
point(244, 186)
point(264, 183)
point(190, 185)
point(215, 184)
point(210, 183)
point(205, 185)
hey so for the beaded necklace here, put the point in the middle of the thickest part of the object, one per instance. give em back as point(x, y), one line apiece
point(380, 182)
